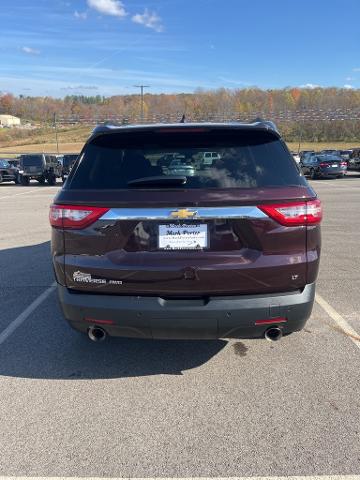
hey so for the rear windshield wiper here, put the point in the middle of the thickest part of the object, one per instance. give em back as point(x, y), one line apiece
point(160, 180)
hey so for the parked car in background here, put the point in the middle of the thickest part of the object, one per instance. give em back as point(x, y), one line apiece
point(14, 162)
point(304, 153)
point(165, 160)
point(321, 166)
point(68, 161)
point(330, 152)
point(354, 160)
point(345, 154)
point(180, 167)
point(227, 251)
point(208, 158)
point(306, 156)
point(40, 167)
point(8, 173)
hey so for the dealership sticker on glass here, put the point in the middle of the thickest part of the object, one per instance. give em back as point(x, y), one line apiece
point(183, 236)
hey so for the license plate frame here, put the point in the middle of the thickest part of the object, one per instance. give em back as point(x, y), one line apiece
point(184, 236)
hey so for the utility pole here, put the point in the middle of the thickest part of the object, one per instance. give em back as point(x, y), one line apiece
point(142, 99)
point(56, 134)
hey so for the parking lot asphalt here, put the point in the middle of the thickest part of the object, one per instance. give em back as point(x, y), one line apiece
point(131, 408)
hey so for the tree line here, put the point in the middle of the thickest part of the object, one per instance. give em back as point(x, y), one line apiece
point(312, 114)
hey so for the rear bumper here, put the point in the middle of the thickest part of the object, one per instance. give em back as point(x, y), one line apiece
point(214, 317)
point(332, 173)
point(8, 178)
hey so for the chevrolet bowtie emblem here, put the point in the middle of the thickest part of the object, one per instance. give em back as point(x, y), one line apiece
point(184, 213)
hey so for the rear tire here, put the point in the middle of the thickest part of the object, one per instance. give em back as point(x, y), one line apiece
point(17, 180)
point(25, 181)
point(1, 178)
point(41, 180)
point(51, 180)
point(313, 174)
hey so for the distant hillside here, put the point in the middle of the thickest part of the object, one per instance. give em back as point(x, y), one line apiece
point(46, 135)
point(309, 114)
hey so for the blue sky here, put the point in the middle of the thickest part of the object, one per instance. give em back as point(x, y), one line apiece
point(90, 47)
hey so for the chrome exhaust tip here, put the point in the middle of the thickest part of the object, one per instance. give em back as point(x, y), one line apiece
point(96, 334)
point(273, 334)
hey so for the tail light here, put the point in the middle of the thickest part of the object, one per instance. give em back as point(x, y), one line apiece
point(296, 213)
point(343, 164)
point(74, 216)
point(324, 164)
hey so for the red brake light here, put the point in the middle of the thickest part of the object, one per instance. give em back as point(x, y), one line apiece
point(296, 213)
point(324, 164)
point(74, 216)
point(343, 164)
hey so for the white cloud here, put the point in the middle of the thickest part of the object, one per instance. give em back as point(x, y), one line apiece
point(80, 87)
point(235, 82)
point(30, 51)
point(348, 87)
point(80, 15)
point(114, 8)
point(149, 20)
point(310, 85)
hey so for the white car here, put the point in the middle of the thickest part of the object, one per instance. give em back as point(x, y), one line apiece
point(208, 158)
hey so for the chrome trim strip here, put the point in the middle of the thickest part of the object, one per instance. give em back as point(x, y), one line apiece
point(250, 212)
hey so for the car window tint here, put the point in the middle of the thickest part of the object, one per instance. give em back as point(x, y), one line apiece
point(243, 159)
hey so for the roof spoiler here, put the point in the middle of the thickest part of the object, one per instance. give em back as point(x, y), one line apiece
point(268, 124)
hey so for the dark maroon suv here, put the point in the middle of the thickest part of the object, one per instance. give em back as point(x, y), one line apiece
point(229, 249)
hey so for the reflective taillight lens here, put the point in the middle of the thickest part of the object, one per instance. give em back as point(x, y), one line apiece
point(295, 213)
point(324, 164)
point(74, 216)
point(343, 164)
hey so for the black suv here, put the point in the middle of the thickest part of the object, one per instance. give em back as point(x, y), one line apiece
point(68, 161)
point(231, 250)
point(40, 167)
point(8, 173)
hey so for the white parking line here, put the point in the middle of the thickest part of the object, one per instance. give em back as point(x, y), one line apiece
point(33, 190)
point(17, 194)
point(10, 329)
point(310, 477)
point(343, 325)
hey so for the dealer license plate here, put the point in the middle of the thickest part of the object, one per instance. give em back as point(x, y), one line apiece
point(183, 236)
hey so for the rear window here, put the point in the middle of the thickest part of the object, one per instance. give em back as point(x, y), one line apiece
point(244, 159)
point(68, 160)
point(32, 160)
point(330, 158)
